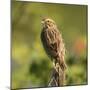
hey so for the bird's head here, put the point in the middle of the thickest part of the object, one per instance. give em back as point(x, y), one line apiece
point(47, 22)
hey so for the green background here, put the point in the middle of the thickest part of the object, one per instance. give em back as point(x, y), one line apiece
point(30, 65)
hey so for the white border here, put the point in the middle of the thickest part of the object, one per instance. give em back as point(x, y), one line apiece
point(5, 44)
point(84, 2)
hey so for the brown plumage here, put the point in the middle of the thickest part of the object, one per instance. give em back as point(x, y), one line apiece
point(54, 46)
point(53, 42)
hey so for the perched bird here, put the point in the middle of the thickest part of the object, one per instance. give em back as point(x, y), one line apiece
point(54, 46)
point(53, 43)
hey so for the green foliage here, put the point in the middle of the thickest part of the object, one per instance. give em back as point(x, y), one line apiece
point(31, 67)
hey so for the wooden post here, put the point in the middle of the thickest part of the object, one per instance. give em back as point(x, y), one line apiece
point(57, 77)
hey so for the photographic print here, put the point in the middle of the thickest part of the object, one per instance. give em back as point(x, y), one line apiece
point(48, 45)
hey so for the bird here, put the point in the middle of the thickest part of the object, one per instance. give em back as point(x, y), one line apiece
point(52, 41)
point(54, 46)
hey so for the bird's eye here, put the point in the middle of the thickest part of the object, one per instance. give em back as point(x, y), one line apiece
point(48, 21)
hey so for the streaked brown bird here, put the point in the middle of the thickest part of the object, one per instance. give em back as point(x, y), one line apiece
point(53, 43)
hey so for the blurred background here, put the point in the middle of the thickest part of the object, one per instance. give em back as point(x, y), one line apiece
point(30, 65)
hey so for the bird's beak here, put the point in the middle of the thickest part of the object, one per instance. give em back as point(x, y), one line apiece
point(42, 22)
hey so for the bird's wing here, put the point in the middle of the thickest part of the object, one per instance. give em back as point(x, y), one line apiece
point(53, 39)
